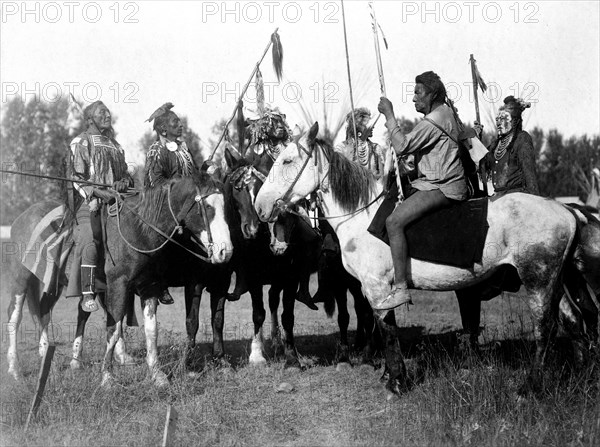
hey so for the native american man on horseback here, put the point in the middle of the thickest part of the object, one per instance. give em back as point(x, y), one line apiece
point(98, 158)
point(167, 157)
point(362, 150)
point(440, 180)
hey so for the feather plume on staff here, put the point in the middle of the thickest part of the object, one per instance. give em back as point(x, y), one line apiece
point(277, 55)
point(274, 41)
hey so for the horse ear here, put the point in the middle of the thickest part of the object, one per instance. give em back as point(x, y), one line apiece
point(232, 162)
point(314, 130)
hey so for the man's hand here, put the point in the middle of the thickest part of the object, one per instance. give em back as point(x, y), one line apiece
point(478, 129)
point(385, 106)
point(121, 185)
point(102, 194)
point(94, 205)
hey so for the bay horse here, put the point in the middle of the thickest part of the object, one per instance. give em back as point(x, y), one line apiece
point(281, 256)
point(123, 234)
point(531, 234)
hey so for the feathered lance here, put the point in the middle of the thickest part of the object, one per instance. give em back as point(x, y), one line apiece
point(383, 91)
point(477, 81)
point(349, 77)
point(277, 53)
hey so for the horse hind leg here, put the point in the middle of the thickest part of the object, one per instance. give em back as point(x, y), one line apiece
point(217, 309)
point(287, 322)
point(343, 351)
point(15, 312)
point(193, 297)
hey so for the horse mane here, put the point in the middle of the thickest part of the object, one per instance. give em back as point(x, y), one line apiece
point(154, 199)
point(351, 184)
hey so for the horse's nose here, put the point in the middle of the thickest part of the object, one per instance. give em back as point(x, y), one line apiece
point(221, 253)
point(249, 230)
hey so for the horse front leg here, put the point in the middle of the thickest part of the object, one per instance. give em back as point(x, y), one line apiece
point(193, 297)
point(287, 322)
point(365, 326)
point(82, 318)
point(113, 332)
point(469, 304)
point(149, 306)
point(397, 378)
point(258, 318)
point(274, 299)
point(217, 309)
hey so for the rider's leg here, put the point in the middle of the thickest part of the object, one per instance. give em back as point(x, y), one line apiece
point(89, 262)
point(413, 208)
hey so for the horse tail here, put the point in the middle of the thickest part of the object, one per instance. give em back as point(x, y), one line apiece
point(32, 295)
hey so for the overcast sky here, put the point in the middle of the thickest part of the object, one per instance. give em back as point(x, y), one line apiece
point(137, 55)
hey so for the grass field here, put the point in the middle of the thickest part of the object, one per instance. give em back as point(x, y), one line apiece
point(456, 399)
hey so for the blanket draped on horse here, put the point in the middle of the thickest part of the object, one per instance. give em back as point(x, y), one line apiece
point(451, 236)
point(48, 249)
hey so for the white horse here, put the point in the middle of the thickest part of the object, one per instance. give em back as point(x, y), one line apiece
point(529, 233)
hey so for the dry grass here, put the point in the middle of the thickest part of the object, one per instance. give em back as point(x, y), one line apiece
point(456, 399)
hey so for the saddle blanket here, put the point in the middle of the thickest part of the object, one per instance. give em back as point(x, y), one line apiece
point(453, 236)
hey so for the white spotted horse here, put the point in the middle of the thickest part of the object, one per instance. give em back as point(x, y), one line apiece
point(531, 234)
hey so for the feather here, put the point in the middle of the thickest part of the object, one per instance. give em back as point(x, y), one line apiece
point(277, 55)
point(260, 93)
point(161, 111)
point(76, 105)
point(241, 128)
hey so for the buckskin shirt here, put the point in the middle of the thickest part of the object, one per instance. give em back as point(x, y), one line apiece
point(167, 159)
point(437, 159)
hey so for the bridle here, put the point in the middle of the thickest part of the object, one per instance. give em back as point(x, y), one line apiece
point(282, 204)
point(199, 202)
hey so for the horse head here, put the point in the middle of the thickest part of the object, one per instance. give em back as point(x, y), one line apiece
point(243, 184)
point(198, 205)
point(294, 175)
point(280, 232)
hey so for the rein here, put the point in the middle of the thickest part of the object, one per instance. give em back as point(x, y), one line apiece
point(199, 200)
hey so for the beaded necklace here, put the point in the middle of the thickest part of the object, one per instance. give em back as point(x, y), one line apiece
point(502, 146)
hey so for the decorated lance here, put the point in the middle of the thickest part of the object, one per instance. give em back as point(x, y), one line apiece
point(349, 77)
point(383, 93)
point(277, 65)
point(477, 81)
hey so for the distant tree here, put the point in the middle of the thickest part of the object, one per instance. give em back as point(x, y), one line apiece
point(34, 140)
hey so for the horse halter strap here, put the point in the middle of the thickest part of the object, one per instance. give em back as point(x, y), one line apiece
point(199, 200)
point(281, 202)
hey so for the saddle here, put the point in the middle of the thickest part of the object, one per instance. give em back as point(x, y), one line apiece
point(453, 236)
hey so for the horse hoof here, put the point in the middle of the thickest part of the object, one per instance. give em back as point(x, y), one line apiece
point(126, 360)
point(75, 364)
point(160, 380)
point(343, 366)
point(15, 374)
point(390, 396)
point(257, 360)
point(108, 380)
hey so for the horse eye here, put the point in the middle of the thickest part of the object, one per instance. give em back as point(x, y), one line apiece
point(287, 161)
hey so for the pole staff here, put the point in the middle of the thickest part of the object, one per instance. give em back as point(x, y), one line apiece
point(349, 77)
point(62, 179)
point(383, 93)
point(475, 86)
point(241, 97)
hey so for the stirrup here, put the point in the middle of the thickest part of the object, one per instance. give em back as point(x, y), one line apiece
point(88, 303)
point(398, 296)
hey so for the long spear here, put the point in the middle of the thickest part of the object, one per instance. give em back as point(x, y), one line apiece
point(383, 93)
point(277, 58)
point(477, 81)
point(50, 177)
point(349, 77)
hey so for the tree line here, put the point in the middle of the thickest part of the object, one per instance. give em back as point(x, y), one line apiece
point(34, 138)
